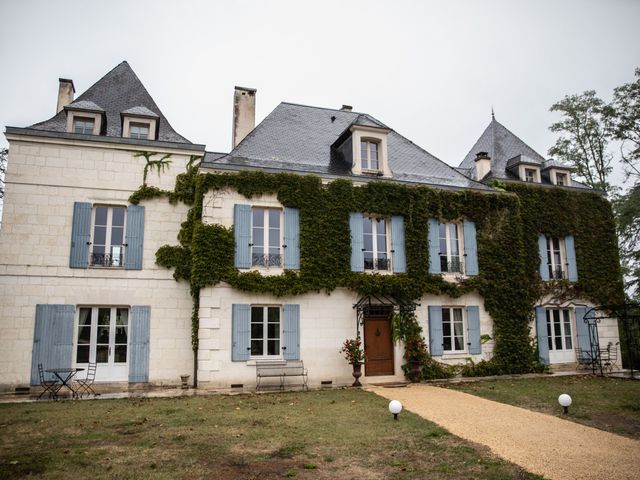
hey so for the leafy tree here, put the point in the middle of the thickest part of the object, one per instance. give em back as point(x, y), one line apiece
point(628, 214)
point(584, 137)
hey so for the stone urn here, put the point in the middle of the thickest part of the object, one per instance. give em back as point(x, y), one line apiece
point(357, 373)
point(415, 371)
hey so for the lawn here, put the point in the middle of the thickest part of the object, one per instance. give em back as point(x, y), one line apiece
point(605, 403)
point(343, 433)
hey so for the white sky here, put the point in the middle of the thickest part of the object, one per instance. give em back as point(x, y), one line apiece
point(431, 70)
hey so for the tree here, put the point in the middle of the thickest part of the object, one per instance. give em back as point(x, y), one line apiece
point(4, 154)
point(584, 137)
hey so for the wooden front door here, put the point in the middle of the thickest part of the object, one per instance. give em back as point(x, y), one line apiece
point(378, 345)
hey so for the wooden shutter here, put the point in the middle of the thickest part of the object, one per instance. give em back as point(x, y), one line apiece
point(398, 256)
point(52, 339)
point(242, 234)
point(241, 332)
point(544, 259)
point(134, 238)
point(292, 238)
point(357, 241)
point(435, 330)
point(582, 329)
point(470, 248)
point(572, 266)
point(543, 338)
point(434, 246)
point(291, 332)
point(139, 343)
point(80, 235)
point(473, 328)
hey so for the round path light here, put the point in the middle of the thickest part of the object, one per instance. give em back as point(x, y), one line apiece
point(565, 401)
point(395, 407)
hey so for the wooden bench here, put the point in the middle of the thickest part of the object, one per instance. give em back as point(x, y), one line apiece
point(281, 370)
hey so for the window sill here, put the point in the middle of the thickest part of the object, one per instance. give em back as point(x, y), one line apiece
point(455, 356)
point(379, 272)
point(278, 360)
point(453, 277)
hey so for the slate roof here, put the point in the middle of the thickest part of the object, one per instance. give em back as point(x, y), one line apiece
point(504, 146)
point(84, 105)
point(298, 138)
point(118, 91)
point(140, 110)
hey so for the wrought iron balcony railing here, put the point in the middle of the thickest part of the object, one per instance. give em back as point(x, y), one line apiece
point(456, 265)
point(266, 260)
point(557, 273)
point(383, 264)
point(113, 259)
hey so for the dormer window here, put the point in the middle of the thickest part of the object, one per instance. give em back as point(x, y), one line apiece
point(139, 130)
point(139, 123)
point(530, 175)
point(83, 125)
point(561, 179)
point(369, 155)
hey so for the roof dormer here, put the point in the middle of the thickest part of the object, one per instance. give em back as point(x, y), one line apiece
point(525, 168)
point(85, 118)
point(139, 123)
point(369, 150)
point(559, 173)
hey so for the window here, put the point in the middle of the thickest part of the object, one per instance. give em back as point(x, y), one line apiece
point(369, 155)
point(376, 254)
point(452, 330)
point(450, 258)
point(561, 179)
point(559, 329)
point(83, 125)
point(102, 335)
point(555, 257)
point(265, 331)
point(107, 243)
point(530, 175)
point(139, 130)
point(266, 238)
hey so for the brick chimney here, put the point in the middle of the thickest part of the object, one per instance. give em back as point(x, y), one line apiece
point(244, 113)
point(66, 91)
point(483, 165)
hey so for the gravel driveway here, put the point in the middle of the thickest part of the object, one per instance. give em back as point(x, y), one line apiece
point(540, 443)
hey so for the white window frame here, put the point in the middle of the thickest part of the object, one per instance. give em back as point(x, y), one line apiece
point(448, 253)
point(129, 120)
point(534, 175)
point(107, 243)
point(139, 125)
point(265, 332)
point(556, 270)
point(566, 319)
point(77, 119)
point(562, 179)
point(451, 323)
point(366, 164)
point(266, 227)
point(374, 243)
point(93, 338)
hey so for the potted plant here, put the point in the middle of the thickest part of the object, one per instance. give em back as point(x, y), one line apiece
point(354, 354)
point(415, 352)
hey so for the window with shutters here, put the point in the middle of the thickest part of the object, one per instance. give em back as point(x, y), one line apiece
point(107, 247)
point(376, 245)
point(451, 258)
point(453, 330)
point(266, 237)
point(265, 331)
point(559, 334)
point(556, 258)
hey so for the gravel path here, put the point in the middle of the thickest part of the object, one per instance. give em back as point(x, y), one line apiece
point(540, 443)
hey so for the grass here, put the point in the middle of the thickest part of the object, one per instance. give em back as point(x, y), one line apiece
point(303, 435)
point(606, 403)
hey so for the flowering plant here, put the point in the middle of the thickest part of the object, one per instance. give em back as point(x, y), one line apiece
point(415, 349)
point(352, 349)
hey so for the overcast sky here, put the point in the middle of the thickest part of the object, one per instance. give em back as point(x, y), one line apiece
point(431, 70)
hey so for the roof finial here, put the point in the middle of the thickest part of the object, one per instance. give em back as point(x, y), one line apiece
point(493, 115)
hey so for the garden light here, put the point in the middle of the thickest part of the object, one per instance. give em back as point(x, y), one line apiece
point(395, 407)
point(564, 400)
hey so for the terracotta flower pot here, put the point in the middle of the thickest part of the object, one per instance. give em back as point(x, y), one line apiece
point(416, 371)
point(357, 373)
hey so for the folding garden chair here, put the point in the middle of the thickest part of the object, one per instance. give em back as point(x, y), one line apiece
point(51, 386)
point(85, 385)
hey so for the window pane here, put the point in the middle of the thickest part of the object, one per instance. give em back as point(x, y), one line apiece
point(104, 316)
point(453, 236)
point(382, 244)
point(83, 354)
point(273, 314)
point(117, 234)
point(274, 238)
point(257, 330)
point(273, 347)
point(257, 314)
point(84, 335)
point(368, 242)
point(120, 354)
point(257, 347)
point(122, 321)
point(273, 330)
point(85, 317)
point(101, 215)
point(367, 224)
point(258, 217)
point(118, 217)
point(459, 343)
point(446, 329)
point(99, 235)
point(381, 226)
point(274, 218)
point(102, 353)
point(364, 154)
point(447, 343)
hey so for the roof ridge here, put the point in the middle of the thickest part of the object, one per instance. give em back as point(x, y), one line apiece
point(323, 108)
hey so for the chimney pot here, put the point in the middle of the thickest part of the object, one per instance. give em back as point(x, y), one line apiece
point(244, 113)
point(66, 91)
point(346, 108)
point(483, 156)
point(483, 165)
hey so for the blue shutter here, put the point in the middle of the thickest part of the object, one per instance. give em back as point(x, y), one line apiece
point(291, 332)
point(357, 241)
point(544, 259)
point(398, 258)
point(543, 338)
point(52, 339)
point(473, 325)
point(242, 234)
point(240, 335)
point(435, 330)
point(582, 329)
point(571, 258)
point(80, 235)
point(470, 248)
point(139, 343)
point(135, 238)
point(434, 246)
point(292, 238)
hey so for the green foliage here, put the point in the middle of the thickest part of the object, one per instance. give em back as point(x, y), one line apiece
point(625, 123)
point(628, 213)
point(352, 350)
point(159, 165)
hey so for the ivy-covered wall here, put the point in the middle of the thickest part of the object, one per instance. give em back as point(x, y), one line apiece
point(507, 223)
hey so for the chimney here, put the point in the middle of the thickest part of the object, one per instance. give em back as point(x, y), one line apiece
point(66, 90)
point(483, 165)
point(346, 108)
point(244, 113)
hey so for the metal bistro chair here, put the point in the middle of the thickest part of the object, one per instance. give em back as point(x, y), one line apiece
point(85, 385)
point(51, 386)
